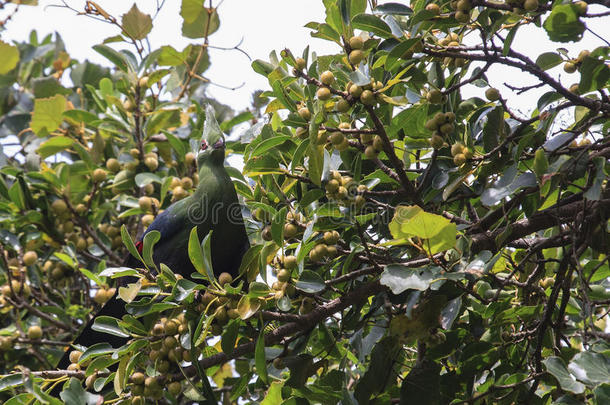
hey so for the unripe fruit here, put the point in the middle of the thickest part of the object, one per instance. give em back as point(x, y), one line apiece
point(279, 363)
point(342, 105)
point(174, 388)
point(356, 56)
point(290, 231)
point(147, 219)
point(449, 116)
point(73, 367)
point(113, 165)
point(89, 381)
point(464, 5)
point(266, 233)
point(332, 186)
point(171, 326)
point(456, 148)
point(462, 16)
point(59, 207)
point(158, 329)
point(367, 97)
point(100, 296)
point(170, 342)
point(370, 152)
point(323, 93)
point(468, 153)
point(143, 82)
point(433, 8)
point(356, 42)
point(327, 77)
point(582, 55)
point(569, 67)
point(435, 96)
point(446, 128)
point(574, 88)
point(304, 113)
point(530, 5)
point(355, 90)
point(29, 258)
point(187, 182)
point(336, 138)
point(582, 7)
point(492, 94)
point(189, 158)
point(225, 278)
point(300, 63)
point(99, 175)
point(378, 143)
point(145, 203)
point(151, 163)
point(331, 237)
point(283, 276)
point(290, 262)
point(134, 152)
point(34, 332)
point(437, 141)
point(459, 159)
point(431, 125)
point(75, 356)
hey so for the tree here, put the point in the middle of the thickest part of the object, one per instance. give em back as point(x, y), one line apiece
point(408, 244)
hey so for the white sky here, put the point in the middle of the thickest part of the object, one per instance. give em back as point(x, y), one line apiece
point(264, 25)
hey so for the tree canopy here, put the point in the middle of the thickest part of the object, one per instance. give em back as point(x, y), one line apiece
point(408, 244)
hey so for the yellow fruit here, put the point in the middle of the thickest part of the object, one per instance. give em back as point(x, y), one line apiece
point(135, 153)
point(147, 219)
point(304, 113)
point(323, 93)
point(99, 175)
point(29, 258)
point(113, 165)
point(367, 97)
point(574, 88)
point(189, 158)
point(300, 63)
point(266, 233)
point(151, 163)
point(582, 55)
point(378, 143)
point(75, 356)
point(336, 138)
point(356, 56)
point(356, 42)
point(100, 296)
point(433, 8)
point(569, 67)
point(34, 332)
point(355, 90)
point(145, 203)
point(342, 105)
point(327, 77)
point(283, 276)
point(143, 82)
point(331, 237)
point(332, 186)
point(468, 153)
point(582, 7)
point(436, 141)
point(290, 231)
point(462, 16)
point(464, 5)
point(456, 148)
point(459, 159)
point(290, 262)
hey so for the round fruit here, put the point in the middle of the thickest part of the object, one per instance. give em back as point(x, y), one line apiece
point(449, 116)
point(224, 278)
point(464, 5)
point(283, 276)
point(468, 153)
point(327, 77)
point(100, 296)
point(145, 203)
point(266, 233)
point(151, 163)
point(59, 207)
point(355, 90)
point(342, 105)
point(174, 388)
point(290, 231)
point(492, 94)
point(143, 82)
point(332, 186)
point(435, 96)
point(378, 143)
point(530, 5)
point(367, 97)
point(434, 8)
point(456, 148)
point(99, 175)
point(431, 125)
point(331, 237)
point(189, 158)
point(323, 93)
point(304, 113)
point(446, 128)
point(436, 141)
point(34, 332)
point(171, 326)
point(356, 56)
point(356, 42)
point(574, 88)
point(569, 67)
point(279, 363)
point(300, 63)
point(459, 159)
point(370, 152)
point(582, 55)
point(336, 138)
point(290, 262)
point(29, 258)
point(582, 7)
point(462, 16)
point(75, 356)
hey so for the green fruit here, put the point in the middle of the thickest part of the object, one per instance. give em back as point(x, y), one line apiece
point(435, 96)
point(323, 93)
point(331, 237)
point(290, 262)
point(283, 276)
point(290, 231)
point(570, 67)
point(98, 175)
point(300, 63)
point(530, 5)
point(327, 77)
point(355, 90)
point(449, 116)
point(59, 207)
point(356, 42)
point(431, 125)
point(266, 233)
point(457, 148)
point(574, 88)
point(151, 163)
point(304, 113)
point(356, 56)
point(370, 152)
point(367, 97)
point(342, 105)
point(279, 363)
point(446, 128)
point(158, 329)
point(224, 278)
point(34, 332)
point(492, 94)
point(433, 8)
point(138, 378)
point(378, 143)
point(29, 258)
point(439, 119)
point(462, 17)
point(113, 165)
point(332, 186)
point(464, 5)
point(459, 159)
point(468, 153)
point(437, 141)
point(582, 7)
point(337, 138)
point(145, 203)
point(174, 388)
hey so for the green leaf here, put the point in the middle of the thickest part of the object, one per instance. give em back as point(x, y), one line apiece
point(74, 393)
point(198, 21)
point(11, 381)
point(113, 56)
point(94, 351)
point(195, 252)
point(229, 336)
point(274, 394)
point(9, 57)
point(590, 368)
point(400, 278)
point(47, 114)
point(259, 357)
point(316, 163)
point(136, 24)
point(79, 116)
point(54, 145)
point(149, 241)
point(109, 325)
point(594, 75)
point(555, 366)
point(129, 244)
point(310, 282)
point(409, 221)
point(142, 179)
point(48, 87)
point(248, 306)
point(563, 24)
point(548, 60)
point(168, 56)
point(371, 23)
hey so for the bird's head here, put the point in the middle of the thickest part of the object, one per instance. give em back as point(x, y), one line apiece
point(212, 146)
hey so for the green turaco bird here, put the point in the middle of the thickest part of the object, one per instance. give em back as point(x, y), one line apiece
point(212, 207)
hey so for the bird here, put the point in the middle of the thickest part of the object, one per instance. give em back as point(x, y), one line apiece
point(213, 207)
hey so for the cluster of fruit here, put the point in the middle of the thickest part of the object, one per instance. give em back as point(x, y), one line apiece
point(222, 308)
point(325, 247)
point(344, 190)
point(441, 125)
point(461, 154)
point(573, 65)
point(143, 387)
point(519, 6)
point(64, 223)
point(283, 286)
point(452, 40)
point(113, 232)
point(104, 294)
point(292, 228)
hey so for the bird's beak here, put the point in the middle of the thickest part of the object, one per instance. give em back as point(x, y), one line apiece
point(220, 144)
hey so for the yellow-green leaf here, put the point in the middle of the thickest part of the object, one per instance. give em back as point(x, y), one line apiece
point(9, 57)
point(47, 115)
point(136, 24)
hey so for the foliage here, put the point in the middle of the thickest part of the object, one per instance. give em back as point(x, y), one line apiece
point(408, 244)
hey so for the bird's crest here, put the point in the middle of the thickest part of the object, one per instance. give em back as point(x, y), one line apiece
point(211, 130)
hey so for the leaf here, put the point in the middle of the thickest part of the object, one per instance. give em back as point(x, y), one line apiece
point(371, 23)
point(142, 179)
point(54, 145)
point(557, 368)
point(400, 278)
point(11, 381)
point(590, 368)
point(129, 244)
point(168, 56)
point(594, 75)
point(195, 252)
point(113, 56)
point(94, 351)
point(136, 24)
point(47, 114)
point(274, 394)
point(9, 57)
point(74, 393)
point(310, 282)
point(259, 357)
point(198, 21)
point(247, 306)
point(409, 221)
point(501, 190)
point(109, 325)
point(548, 60)
point(563, 23)
point(450, 312)
point(129, 293)
point(229, 336)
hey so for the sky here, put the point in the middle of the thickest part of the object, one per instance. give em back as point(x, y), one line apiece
point(262, 26)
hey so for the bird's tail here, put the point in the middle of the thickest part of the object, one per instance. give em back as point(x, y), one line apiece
point(115, 307)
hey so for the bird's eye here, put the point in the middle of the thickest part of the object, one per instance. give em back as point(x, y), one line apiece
point(204, 145)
